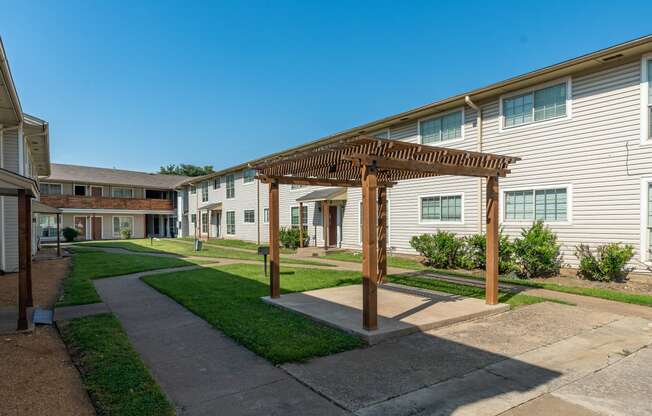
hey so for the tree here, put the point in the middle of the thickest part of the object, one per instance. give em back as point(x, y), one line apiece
point(186, 170)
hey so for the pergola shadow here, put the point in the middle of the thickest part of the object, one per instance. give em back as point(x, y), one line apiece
point(374, 165)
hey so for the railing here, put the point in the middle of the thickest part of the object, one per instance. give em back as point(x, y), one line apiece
point(100, 202)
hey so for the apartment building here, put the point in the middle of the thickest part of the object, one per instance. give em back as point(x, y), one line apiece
point(100, 203)
point(582, 128)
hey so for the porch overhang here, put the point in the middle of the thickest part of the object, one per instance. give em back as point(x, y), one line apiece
point(41, 208)
point(11, 183)
point(211, 207)
point(329, 194)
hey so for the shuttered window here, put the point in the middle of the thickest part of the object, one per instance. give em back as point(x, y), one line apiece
point(539, 105)
point(230, 222)
point(441, 129)
point(441, 208)
point(540, 204)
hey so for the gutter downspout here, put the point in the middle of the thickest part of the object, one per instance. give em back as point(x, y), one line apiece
point(478, 112)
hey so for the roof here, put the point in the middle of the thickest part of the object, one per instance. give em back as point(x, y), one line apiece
point(210, 207)
point(601, 58)
point(11, 183)
point(327, 194)
point(41, 208)
point(10, 108)
point(88, 174)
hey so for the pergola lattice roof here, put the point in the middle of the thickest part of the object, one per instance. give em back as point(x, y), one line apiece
point(338, 163)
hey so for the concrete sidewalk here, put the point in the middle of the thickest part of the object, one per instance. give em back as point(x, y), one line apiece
point(200, 369)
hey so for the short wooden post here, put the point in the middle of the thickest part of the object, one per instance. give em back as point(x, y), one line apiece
point(274, 245)
point(58, 235)
point(23, 254)
point(382, 234)
point(325, 216)
point(369, 249)
point(491, 274)
point(28, 238)
point(301, 225)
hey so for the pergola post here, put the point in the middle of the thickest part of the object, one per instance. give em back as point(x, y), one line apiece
point(23, 258)
point(369, 248)
point(325, 220)
point(301, 224)
point(382, 234)
point(58, 235)
point(274, 246)
point(491, 274)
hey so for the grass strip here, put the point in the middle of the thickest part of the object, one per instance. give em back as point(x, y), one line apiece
point(392, 261)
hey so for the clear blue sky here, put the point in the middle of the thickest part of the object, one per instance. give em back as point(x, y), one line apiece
point(136, 85)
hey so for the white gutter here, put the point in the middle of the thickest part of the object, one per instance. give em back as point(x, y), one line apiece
point(478, 122)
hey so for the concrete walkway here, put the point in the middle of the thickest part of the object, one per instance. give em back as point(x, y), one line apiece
point(200, 369)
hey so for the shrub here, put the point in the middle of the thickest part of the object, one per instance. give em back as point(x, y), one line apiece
point(475, 253)
point(69, 234)
point(608, 264)
point(441, 250)
point(289, 237)
point(537, 252)
point(125, 233)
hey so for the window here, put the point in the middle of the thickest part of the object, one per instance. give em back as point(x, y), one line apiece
point(122, 223)
point(204, 222)
point(249, 216)
point(193, 218)
point(193, 189)
point(216, 183)
point(294, 216)
point(266, 216)
point(48, 225)
point(441, 129)
point(296, 186)
point(204, 191)
point(540, 204)
point(646, 97)
point(122, 192)
point(649, 219)
point(539, 105)
point(382, 134)
point(51, 189)
point(248, 175)
point(80, 190)
point(444, 208)
point(230, 186)
point(230, 222)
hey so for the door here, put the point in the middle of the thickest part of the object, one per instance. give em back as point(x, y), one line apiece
point(218, 220)
point(96, 191)
point(96, 228)
point(332, 225)
point(80, 226)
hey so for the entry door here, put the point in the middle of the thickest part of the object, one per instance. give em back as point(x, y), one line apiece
point(217, 219)
point(332, 225)
point(80, 226)
point(97, 228)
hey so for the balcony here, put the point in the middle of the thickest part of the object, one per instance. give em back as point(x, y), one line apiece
point(100, 202)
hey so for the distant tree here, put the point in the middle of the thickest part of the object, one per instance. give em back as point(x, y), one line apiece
point(186, 170)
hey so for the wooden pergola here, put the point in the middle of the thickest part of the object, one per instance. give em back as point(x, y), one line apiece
point(375, 165)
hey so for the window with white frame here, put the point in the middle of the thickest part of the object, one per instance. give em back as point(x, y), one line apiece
point(294, 217)
point(204, 191)
point(536, 204)
point(296, 186)
point(216, 183)
point(48, 225)
point(648, 69)
point(122, 192)
point(266, 215)
point(193, 189)
point(230, 222)
point(230, 186)
point(51, 189)
point(248, 175)
point(441, 208)
point(122, 223)
point(441, 129)
point(204, 222)
point(249, 216)
point(538, 105)
point(193, 218)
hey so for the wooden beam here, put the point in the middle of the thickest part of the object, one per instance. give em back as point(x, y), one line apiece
point(23, 254)
point(434, 168)
point(382, 234)
point(369, 249)
point(296, 180)
point(301, 237)
point(491, 274)
point(274, 244)
point(325, 221)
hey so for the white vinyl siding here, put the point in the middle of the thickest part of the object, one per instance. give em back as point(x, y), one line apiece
point(441, 129)
point(193, 189)
point(122, 192)
point(649, 220)
point(122, 223)
point(204, 191)
point(249, 216)
point(193, 218)
point(445, 208)
point(538, 105)
point(540, 204)
point(248, 175)
point(230, 186)
point(230, 222)
point(649, 99)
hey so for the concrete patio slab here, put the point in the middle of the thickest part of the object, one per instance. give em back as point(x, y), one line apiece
point(401, 310)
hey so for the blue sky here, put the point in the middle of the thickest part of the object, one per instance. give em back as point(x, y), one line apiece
point(135, 85)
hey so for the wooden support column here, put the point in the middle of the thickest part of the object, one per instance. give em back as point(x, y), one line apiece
point(382, 234)
point(369, 249)
point(58, 235)
point(274, 245)
point(28, 237)
point(491, 274)
point(325, 220)
point(301, 237)
point(23, 255)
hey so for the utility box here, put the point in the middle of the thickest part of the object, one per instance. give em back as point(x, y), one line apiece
point(198, 245)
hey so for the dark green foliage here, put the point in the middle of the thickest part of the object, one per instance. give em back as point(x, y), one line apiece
point(186, 170)
point(537, 252)
point(609, 263)
point(69, 234)
point(289, 237)
point(441, 250)
point(475, 253)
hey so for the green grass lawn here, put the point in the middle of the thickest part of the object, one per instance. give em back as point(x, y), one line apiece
point(184, 248)
point(112, 372)
point(228, 297)
point(392, 261)
point(247, 245)
point(88, 264)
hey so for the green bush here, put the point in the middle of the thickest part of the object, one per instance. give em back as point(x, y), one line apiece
point(607, 265)
point(125, 233)
point(69, 234)
point(475, 253)
point(537, 252)
point(442, 250)
point(289, 237)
